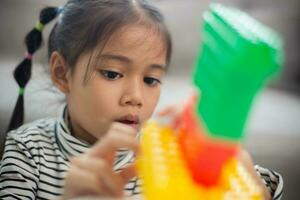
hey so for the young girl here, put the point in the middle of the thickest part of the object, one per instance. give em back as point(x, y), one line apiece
point(108, 58)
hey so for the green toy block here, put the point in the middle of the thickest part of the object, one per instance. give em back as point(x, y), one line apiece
point(238, 55)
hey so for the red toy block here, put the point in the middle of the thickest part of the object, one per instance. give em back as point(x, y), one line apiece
point(204, 155)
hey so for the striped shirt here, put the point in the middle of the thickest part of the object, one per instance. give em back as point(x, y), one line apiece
point(36, 160)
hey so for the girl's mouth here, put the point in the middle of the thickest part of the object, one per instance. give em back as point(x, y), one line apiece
point(130, 120)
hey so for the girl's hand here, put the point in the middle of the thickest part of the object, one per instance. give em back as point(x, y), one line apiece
point(170, 111)
point(91, 174)
point(247, 162)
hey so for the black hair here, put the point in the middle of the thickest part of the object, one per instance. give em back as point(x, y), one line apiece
point(79, 24)
point(22, 72)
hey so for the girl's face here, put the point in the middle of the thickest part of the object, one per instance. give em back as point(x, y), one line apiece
point(124, 86)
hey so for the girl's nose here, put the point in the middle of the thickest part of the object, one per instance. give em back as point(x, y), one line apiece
point(133, 95)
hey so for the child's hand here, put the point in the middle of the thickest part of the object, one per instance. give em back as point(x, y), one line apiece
point(91, 174)
point(169, 115)
point(169, 111)
point(247, 162)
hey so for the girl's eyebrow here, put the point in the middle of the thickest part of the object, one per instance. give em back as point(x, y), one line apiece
point(128, 61)
point(120, 58)
point(158, 66)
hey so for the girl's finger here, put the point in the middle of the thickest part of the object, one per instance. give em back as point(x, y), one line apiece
point(81, 183)
point(169, 111)
point(128, 173)
point(116, 139)
point(175, 110)
point(247, 162)
point(103, 172)
point(117, 126)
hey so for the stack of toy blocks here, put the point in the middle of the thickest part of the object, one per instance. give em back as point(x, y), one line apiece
point(196, 158)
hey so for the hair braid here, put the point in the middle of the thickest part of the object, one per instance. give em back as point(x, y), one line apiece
point(22, 72)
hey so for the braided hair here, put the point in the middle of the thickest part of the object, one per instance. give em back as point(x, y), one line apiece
point(22, 72)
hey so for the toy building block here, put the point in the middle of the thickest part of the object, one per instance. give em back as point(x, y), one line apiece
point(165, 175)
point(196, 159)
point(238, 55)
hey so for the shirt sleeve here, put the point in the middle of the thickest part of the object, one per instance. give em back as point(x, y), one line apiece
point(272, 180)
point(18, 171)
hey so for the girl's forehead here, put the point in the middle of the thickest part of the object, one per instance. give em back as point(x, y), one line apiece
point(136, 38)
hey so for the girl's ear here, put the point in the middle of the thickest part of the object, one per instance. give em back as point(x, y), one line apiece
point(59, 72)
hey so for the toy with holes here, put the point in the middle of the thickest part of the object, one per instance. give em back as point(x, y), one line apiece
point(196, 157)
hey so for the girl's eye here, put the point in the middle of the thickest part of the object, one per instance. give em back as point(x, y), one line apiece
point(151, 81)
point(111, 75)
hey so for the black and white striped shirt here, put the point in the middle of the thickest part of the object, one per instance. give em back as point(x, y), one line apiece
point(36, 160)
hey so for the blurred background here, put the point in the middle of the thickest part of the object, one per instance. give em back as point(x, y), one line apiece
point(274, 126)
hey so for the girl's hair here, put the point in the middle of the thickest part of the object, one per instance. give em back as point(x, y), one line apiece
point(81, 27)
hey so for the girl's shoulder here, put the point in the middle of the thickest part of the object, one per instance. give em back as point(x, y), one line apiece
point(31, 140)
point(41, 129)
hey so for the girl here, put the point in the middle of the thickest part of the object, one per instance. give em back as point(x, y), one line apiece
point(108, 58)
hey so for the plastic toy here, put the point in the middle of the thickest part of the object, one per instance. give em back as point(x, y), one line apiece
point(195, 158)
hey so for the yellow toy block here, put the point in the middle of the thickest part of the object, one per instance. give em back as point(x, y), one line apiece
point(165, 175)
